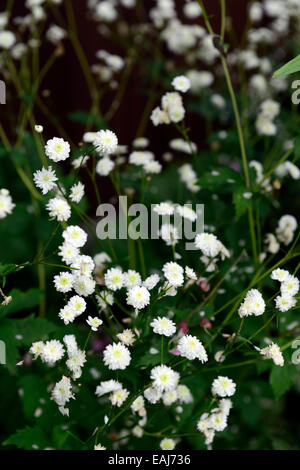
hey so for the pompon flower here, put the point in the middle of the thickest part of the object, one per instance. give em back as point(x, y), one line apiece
point(273, 352)
point(138, 297)
point(253, 304)
point(106, 142)
point(64, 282)
point(167, 444)
point(107, 386)
point(94, 323)
point(191, 348)
point(164, 378)
point(77, 192)
point(52, 351)
point(59, 209)
point(75, 236)
point(181, 83)
point(116, 356)
point(6, 203)
point(114, 279)
point(163, 326)
point(57, 149)
point(45, 179)
point(174, 274)
point(118, 397)
point(223, 387)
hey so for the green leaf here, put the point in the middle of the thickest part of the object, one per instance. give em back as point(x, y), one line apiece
point(222, 177)
point(292, 66)
point(241, 203)
point(21, 301)
point(34, 389)
point(29, 438)
point(282, 378)
point(34, 329)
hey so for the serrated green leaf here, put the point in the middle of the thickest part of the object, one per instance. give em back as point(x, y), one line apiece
point(282, 378)
point(292, 66)
point(6, 269)
point(29, 438)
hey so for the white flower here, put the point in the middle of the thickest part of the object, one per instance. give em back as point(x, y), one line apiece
point(141, 158)
point(290, 286)
point(164, 378)
point(99, 447)
point(151, 281)
point(68, 253)
point(190, 273)
point(75, 363)
point(163, 326)
point(104, 166)
point(80, 162)
point(71, 344)
point(159, 116)
point(138, 297)
point(57, 149)
point(6, 204)
point(36, 348)
point(75, 236)
point(153, 167)
point(62, 392)
point(107, 386)
point(118, 397)
point(94, 323)
point(132, 278)
point(164, 208)
point(59, 209)
point(126, 337)
point(253, 304)
point(184, 395)
point(169, 234)
point(223, 387)
point(270, 109)
point(138, 403)
point(55, 34)
point(218, 421)
point(83, 265)
point(208, 244)
point(100, 259)
point(114, 279)
point(187, 213)
point(52, 351)
point(167, 444)
point(181, 83)
point(45, 179)
point(67, 314)
point(78, 304)
point(84, 285)
point(77, 192)
point(173, 273)
point(138, 431)
point(64, 282)
point(169, 397)
point(285, 302)
point(116, 356)
point(191, 348)
point(153, 395)
point(106, 142)
point(273, 352)
point(7, 39)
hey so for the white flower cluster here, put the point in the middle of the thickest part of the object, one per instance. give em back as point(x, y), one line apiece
point(285, 231)
point(269, 110)
point(6, 203)
point(253, 304)
point(118, 394)
point(215, 421)
point(62, 394)
point(289, 288)
point(272, 351)
point(191, 348)
point(211, 248)
point(189, 177)
point(171, 110)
